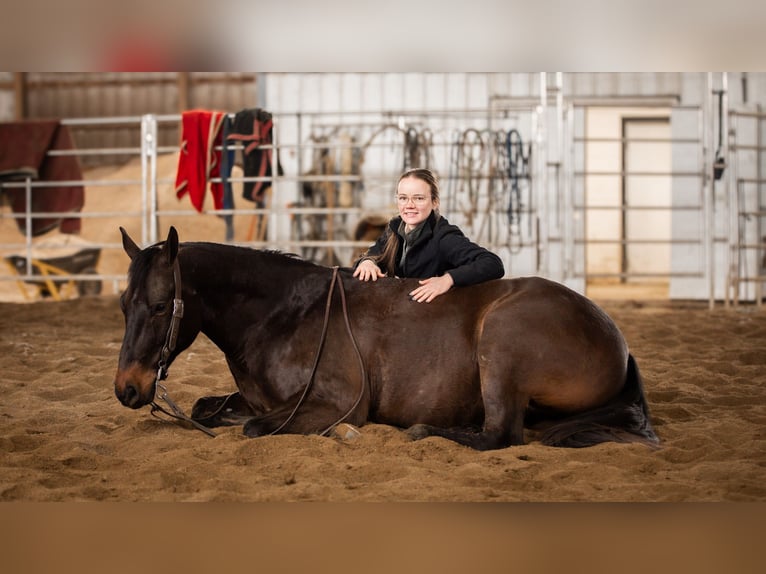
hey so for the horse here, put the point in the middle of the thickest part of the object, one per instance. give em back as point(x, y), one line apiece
point(310, 347)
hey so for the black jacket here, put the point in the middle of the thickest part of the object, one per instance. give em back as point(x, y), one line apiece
point(441, 247)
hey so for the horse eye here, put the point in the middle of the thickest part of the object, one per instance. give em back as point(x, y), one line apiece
point(159, 308)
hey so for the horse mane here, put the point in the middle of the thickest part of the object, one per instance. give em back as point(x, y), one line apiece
point(283, 254)
point(243, 266)
point(216, 264)
point(272, 256)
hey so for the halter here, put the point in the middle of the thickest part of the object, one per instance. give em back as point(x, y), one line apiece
point(170, 344)
point(175, 322)
point(172, 337)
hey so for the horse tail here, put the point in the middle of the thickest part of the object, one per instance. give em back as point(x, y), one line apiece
point(625, 418)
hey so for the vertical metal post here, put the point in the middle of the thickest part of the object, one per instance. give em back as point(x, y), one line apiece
point(736, 208)
point(542, 170)
point(760, 255)
point(568, 223)
point(299, 152)
point(731, 197)
point(28, 223)
point(729, 233)
point(559, 184)
point(707, 184)
point(708, 187)
point(273, 230)
point(724, 138)
point(260, 90)
point(149, 200)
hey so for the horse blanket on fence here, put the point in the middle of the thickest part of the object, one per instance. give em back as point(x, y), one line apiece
point(24, 152)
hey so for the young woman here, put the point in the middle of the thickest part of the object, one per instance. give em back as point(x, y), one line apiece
point(421, 243)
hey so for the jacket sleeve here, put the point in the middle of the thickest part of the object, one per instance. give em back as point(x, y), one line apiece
point(467, 262)
point(375, 250)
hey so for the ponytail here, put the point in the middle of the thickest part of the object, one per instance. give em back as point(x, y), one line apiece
point(387, 259)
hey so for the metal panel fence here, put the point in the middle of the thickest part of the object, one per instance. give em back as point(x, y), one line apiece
point(312, 208)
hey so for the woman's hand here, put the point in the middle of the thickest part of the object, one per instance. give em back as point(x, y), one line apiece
point(431, 288)
point(367, 270)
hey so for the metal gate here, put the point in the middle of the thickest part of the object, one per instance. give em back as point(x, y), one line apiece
point(746, 205)
point(639, 198)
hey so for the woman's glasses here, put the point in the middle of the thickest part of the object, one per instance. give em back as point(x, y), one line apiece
point(416, 199)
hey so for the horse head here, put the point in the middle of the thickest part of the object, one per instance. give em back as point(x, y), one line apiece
point(153, 307)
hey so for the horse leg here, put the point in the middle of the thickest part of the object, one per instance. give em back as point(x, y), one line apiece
point(227, 410)
point(493, 435)
point(313, 416)
point(503, 417)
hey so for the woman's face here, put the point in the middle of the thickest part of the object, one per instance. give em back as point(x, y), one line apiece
point(413, 197)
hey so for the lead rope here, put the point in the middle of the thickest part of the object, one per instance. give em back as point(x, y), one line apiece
point(177, 413)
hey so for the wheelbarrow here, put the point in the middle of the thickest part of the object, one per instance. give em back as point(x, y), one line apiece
point(83, 262)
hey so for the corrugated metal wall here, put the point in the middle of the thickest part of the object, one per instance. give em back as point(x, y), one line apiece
point(66, 95)
point(104, 95)
point(307, 104)
point(85, 95)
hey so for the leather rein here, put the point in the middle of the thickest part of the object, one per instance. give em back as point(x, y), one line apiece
point(172, 337)
point(360, 360)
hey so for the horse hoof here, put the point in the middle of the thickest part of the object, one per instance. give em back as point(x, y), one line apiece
point(417, 432)
point(206, 407)
point(254, 428)
point(345, 431)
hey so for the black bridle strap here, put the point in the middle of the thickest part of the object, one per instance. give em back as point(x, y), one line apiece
point(175, 322)
point(170, 344)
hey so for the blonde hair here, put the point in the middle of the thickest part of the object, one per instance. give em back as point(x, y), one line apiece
point(387, 259)
point(426, 175)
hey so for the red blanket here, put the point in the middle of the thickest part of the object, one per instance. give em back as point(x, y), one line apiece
point(24, 148)
point(198, 160)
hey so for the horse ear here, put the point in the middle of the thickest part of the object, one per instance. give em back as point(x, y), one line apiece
point(171, 245)
point(129, 245)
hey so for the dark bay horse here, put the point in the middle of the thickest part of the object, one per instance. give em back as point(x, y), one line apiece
point(310, 346)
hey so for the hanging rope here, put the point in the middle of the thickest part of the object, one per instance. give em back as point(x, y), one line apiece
point(417, 148)
point(470, 159)
point(453, 173)
point(498, 182)
point(518, 168)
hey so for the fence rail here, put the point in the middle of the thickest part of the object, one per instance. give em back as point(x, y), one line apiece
point(153, 185)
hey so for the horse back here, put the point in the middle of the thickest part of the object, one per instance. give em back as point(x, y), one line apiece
point(421, 357)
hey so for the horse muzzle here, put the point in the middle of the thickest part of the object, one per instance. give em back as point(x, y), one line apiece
point(134, 387)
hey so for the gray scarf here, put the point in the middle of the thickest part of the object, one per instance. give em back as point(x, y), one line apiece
point(409, 238)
